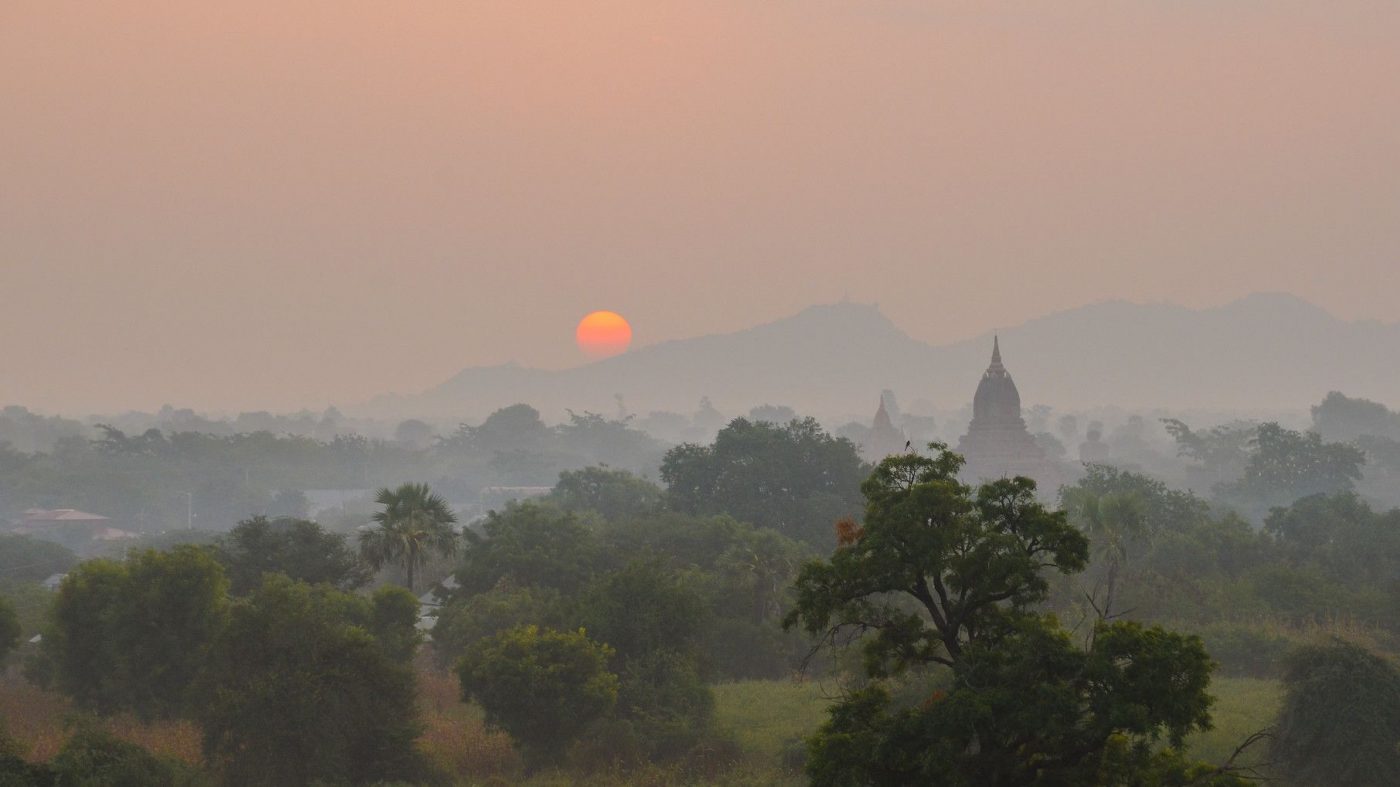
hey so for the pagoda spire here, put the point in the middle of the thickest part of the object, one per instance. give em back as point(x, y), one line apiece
point(996, 366)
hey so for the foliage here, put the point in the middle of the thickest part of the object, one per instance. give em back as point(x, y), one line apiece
point(937, 576)
point(297, 548)
point(1285, 466)
point(9, 629)
point(392, 620)
point(1342, 418)
point(614, 494)
point(95, 757)
point(663, 693)
point(541, 686)
point(530, 544)
point(1221, 452)
point(464, 621)
point(26, 559)
point(935, 567)
point(413, 525)
point(793, 478)
point(641, 609)
point(1340, 719)
point(134, 635)
point(297, 691)
point(654, 624)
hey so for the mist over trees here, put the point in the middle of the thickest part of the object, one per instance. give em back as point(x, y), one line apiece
point(605, 600)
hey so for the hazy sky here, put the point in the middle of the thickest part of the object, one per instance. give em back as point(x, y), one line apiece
point(254, 207)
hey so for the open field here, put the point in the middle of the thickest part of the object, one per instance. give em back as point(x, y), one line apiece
point(766, 719)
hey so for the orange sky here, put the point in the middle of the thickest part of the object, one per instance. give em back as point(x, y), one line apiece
point(257, 207)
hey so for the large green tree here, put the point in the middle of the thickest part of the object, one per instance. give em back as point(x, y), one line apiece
point(300, 690)
point(543, 687)
point(530, 544)
point(794, 478)
point(942, 576)
point(134, 635)
point(26, 559)
point(614, 494)
point(298, 548)
point(412, 525)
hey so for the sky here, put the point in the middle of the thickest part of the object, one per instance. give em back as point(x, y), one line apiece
point(277, 205)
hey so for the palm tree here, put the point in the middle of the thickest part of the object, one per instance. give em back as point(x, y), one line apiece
point(414, 524)
point(1113, 522)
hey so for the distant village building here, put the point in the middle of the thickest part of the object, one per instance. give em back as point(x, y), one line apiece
point(884, 438)
point(997, 443)
point(68, 526)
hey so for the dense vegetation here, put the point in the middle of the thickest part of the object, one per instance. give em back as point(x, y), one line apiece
point(617, 630)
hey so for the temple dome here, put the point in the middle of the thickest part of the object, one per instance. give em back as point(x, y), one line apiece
point(997, 401)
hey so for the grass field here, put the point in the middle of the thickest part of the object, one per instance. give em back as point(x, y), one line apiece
point(764, 716)
point(1243, 706)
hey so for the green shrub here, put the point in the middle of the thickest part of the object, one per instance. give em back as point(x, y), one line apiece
point(94, 758)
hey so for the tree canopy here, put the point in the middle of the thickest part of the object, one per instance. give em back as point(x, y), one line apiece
point(794, 478)
point(298, 548)
point(301, 688)
point(939, 575)
point(134, 635)
point(412, 525)
point(542, 686)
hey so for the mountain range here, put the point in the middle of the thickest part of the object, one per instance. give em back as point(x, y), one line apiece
point(1262, 353)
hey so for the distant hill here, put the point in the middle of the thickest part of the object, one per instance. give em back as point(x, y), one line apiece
point(1263, 352)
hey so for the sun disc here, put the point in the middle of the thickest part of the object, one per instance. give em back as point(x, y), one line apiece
point(602, 334)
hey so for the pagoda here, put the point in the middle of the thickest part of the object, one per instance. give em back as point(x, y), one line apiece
point(997, 443)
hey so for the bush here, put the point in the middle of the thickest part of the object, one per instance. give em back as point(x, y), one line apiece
point(94, 757)
point(1341, 717)
point(543, 687)
point(663, 693)
point(608, 744)
point(465, 621)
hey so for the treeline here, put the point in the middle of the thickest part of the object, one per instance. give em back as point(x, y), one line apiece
point(155, 481)
point(978, 633)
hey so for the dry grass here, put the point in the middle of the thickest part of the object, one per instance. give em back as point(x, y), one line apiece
point(37, 719)
point(455, 737)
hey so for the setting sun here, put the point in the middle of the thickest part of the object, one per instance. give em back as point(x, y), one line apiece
point(603, 334)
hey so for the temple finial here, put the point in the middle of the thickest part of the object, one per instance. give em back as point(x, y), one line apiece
point(996, 350)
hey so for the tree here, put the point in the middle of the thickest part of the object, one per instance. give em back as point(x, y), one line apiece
point(300, 549)
point(614, 494)
point(463, 622)
point(299, 691)
point(793, 478)
point(533, 545)
point(413, 525)
point(9, 629)
point(1344, 419)
point(94, 756)
point(134, 635)
point(1340, 719)
point(1285, 465)
point(1222, 451)
point(927, 541)
point(1114, 523)
point(641, 608)
point(26, 559)
point(938, 576)
point(542, 687)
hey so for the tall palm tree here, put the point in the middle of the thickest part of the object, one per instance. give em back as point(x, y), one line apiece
point(1113, 523)
point(414, 524)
